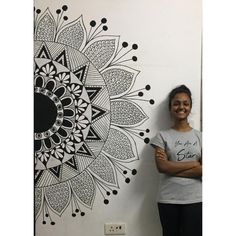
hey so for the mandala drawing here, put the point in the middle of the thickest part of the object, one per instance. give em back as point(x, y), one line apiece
point(86, 116)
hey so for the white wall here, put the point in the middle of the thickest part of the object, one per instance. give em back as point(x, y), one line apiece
point(168, 33)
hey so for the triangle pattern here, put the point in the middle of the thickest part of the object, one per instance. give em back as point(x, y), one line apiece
point(44, 53)
point(92, 92)
point(92, 135)
point(81, 73)
point(84, 150)
point(62, 58)
point(97, 112)
point(37, 174)
point(56, 171)
point(72, 163)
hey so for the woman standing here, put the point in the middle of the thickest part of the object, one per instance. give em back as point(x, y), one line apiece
point(178, 159)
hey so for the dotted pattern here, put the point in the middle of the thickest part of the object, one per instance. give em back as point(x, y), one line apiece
point(100, 52)
point(126, 113)
point(37, 200)
point(46, 29)
point(118, 145)
point(84, 188)
point(72, 35)
point(118, 81)
point(103, 168)
point(58, 196)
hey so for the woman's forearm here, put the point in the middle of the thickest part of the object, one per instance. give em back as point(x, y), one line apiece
point(195, 172)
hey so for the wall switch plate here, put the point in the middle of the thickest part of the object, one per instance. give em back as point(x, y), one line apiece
point(114, 228)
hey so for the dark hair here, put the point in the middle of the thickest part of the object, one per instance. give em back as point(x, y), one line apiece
point(180, 89)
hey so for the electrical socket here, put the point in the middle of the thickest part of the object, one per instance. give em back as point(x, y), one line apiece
point(114, 228)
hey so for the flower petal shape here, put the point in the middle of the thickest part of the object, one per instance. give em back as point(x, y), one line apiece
point(103, 169)
point(84, 188)
point(73, 34)
point(38, 200)
point(101, 50)
point(58, 197)
point(125, 113)
point(119, 79)
point(120, 146)
point(46, 27)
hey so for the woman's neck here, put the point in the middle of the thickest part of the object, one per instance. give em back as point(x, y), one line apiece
point(181, 125)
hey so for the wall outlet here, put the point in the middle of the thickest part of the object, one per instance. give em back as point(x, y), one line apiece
point(114, 228)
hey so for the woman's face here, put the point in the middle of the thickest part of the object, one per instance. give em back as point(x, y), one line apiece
point(180, 106)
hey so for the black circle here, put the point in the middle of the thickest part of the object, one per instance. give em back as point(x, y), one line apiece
point(93, 23)
point(114, 192)
point(76, 210)
point(104, 20)
point(148, 87)
point(52, 223)
point(58, 11)
point(134, 172)
point(38, 11)
point(141, 134)
point(140, 94)
point(108, 193)
point(125, 172)
point(44, 222)
point(147, 130)
point(46, 215)
point(146, 140)
point(134, 58)
point(135, 46)
point(45, 113)
point(151, 101)
point(106, 201)
point(65, 18)
point(82, 214)
point(127, 180)
point(73, 214)
point(105, 28)
point(124, 44)
point(64, 8)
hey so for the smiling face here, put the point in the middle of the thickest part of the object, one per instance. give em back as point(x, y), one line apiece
point(180, 106)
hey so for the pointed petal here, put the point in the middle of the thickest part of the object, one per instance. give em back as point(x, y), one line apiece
point(46, 27)
point(126, 113)
point(73, 34)
point(84, 188)
point(103, 169)
point(120, 146)
point(58, 197)
point(38, 201)
point(101, 50)
point(115, 76)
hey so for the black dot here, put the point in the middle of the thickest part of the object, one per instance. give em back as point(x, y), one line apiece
point(52, 223)
point(46, 215)
point(134, 58)
point(135, 46)
point(114, 192)
point(65, 18)
point(93, 23)
point(151, 101)
point(127, 180)
point(58, 11)
point(148, 87)
point(124, 44)
point(34, 8)
point(146, 140)
point(82, 214)
point(38, 11)
point(105, 28)
point(140, 94)
point(106, 201)
point(108, 193)
point(76, 210)
point(104, 20)
point(44, 222)
point(141, 134)
point(64, 8)
point(134, 172)
point(73, 214)
point(125, 172)
point(147, 130)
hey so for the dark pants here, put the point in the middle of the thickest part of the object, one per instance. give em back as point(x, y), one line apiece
point(181, 219)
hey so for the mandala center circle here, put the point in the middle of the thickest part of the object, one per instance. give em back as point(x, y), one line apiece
point(45, 113)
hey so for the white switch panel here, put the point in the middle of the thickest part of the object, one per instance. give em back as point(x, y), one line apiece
point(114, 228)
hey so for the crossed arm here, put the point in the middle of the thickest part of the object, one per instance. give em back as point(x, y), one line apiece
point(190, 169)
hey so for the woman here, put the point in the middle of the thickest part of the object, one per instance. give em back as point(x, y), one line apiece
point(178, 159)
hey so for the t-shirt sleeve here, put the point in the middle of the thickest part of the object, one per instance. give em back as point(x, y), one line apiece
point(158, 141)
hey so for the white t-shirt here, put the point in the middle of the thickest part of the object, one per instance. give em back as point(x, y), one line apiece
point(180, 147)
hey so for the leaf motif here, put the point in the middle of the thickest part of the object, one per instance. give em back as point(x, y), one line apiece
point(120, 146)
point(58, 197)
point(73, 34)
point(46, 27)
point(126, 113)
point(84, 188)
point(119, 80)
point(38, 201)
point(101, 50)
point(103, 169)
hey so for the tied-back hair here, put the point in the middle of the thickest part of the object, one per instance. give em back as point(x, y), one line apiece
point(180, 89)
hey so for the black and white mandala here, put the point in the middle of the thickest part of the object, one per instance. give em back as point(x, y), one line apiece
point(85, 115)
